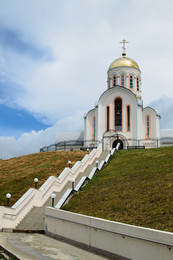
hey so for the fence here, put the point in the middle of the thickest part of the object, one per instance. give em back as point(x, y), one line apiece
point(71, 145)
point(82, 145)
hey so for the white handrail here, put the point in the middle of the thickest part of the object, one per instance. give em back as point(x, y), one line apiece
point(10, 217)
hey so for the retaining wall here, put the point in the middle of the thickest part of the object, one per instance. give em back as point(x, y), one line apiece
point(113, 239)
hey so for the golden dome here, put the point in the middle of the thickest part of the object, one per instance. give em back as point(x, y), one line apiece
point(124, 62)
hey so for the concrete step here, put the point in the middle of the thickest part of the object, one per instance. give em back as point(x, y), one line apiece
point(34, 220)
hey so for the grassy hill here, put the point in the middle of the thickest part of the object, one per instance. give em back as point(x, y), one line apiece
point(17, 174)
point(135, 187)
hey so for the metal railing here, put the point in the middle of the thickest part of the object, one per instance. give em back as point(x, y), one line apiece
point(91, 144)
point(71, 145)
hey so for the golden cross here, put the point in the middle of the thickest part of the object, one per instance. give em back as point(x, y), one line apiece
point(124, 42)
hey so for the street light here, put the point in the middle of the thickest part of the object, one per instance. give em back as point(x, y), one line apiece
point(36, 181)
point(72, 183)
point(8, 196)
point(87, 150)
point(69, 164)
point(53, 196)
point(97, 164)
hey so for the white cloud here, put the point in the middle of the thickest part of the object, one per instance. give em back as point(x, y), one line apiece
point(31, 142)
point(84, 38)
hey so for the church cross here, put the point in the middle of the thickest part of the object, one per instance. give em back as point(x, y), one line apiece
point(124, 47)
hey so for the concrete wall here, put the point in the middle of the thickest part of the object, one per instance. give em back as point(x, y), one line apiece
point(116, 240)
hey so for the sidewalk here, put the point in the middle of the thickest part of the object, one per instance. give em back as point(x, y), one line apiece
point(27, 246)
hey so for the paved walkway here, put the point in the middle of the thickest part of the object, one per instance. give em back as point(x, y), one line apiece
point(27, 246)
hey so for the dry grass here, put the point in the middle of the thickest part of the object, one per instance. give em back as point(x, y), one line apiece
point(136, 187)
point(17, 174)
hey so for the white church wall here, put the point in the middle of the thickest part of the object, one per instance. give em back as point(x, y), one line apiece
point(127, 72)
point(158, 127)
point(100, 122)
point(151, 112)
point(128, 98)
point(154, 127)
point(140, 123)
point(96, 115)
point(89, 126)
point(130, 95)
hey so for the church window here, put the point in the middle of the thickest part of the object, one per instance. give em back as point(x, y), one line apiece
point(137, 84)
point(122, 80)
point(148, 126)
point(107, 118)
point(118, 114)
point(128, 118)
point(131, 81)
point(115, 81)
point(94, 128)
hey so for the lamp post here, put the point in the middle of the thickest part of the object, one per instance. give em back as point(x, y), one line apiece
point(97, 164)
point(53, 196)
point(72, 183)
point(8, 196)
point(87, 150)
point(69, 164)
point(36, 181)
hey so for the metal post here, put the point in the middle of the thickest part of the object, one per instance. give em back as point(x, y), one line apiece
point(53, 195)
point(97, 164)
point(36, 181)
point(72, 183)
point(8, 196)
point(69, 164)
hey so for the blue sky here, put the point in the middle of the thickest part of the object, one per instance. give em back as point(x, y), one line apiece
point(54, 57)
point(14, 122)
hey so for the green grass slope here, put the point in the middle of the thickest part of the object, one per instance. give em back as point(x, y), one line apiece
point(17, 174)
point(135, 187)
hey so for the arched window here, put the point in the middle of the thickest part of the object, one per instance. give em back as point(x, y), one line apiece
point(128, 118)
point(148, 126)
point(107, 118)
point(93, 128)
point(118, 114)
point(137, 83)
point(122, 80)
point(131, 81)
point(114, 81)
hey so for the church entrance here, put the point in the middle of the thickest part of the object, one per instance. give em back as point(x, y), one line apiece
point(118, 142)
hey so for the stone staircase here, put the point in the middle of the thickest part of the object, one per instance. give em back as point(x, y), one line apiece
point(34, 220)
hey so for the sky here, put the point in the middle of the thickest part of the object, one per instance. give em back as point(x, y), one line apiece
point(54, 57)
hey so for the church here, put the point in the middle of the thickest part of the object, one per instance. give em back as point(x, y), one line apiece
point(119, 115)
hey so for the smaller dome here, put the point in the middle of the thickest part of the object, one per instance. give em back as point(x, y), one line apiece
point(124, 62)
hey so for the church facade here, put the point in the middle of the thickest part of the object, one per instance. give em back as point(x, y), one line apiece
point(119, 116)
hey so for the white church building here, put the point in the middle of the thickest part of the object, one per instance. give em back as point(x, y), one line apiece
point(119, 115)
